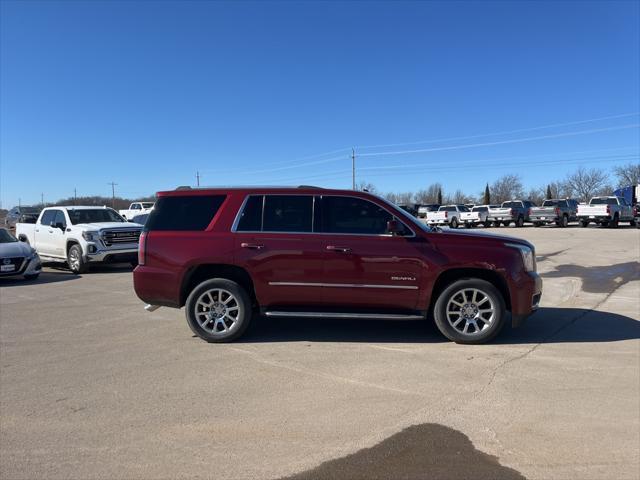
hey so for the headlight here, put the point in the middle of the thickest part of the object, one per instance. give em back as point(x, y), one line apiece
point(90, 236)
point(527, 256)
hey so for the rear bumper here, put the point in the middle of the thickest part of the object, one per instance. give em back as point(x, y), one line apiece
point(501, 218)
point(526, 294)
point(156, 286)
point(543, 218)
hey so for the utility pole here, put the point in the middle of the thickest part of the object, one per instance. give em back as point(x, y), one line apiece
point(198, 179)
point(42, 199)
point(19, 202)
point(75, 196)
point(353, 168)
point(113, 194)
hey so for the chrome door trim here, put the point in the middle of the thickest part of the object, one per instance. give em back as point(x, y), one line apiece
point(341, 285)
point(378, 316)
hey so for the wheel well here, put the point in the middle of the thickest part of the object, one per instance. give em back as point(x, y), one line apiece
point(199, 274)
point(70, 243)
point(447, 277)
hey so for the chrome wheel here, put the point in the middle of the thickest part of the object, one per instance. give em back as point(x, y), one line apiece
point(470, 311)
point(74, 259)
point(217, 311)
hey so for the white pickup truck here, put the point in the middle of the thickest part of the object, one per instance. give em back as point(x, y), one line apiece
point(135, 209)
point(81, 236)
point(446, 215)
point(478, 215)
point(606, 211)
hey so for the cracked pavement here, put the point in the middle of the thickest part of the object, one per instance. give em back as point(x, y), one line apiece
point(91, 386)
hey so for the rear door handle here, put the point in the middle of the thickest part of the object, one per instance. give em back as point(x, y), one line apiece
point(332, 248)
point(252, 246)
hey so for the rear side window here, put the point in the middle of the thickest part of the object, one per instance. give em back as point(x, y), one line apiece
point(353, 215)
point(184, 213)
point(251, 216)
point(287, 213)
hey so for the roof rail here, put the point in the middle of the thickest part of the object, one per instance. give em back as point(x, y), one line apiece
point(183, 187)
point(309, 186)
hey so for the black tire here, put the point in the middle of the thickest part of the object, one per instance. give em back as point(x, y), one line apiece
point(487, 224)
point(519, 222)
point(506, 224)
point(584, 223)
point(467, 225)
point(537, 224)
point(454, 223)
point(615, 222)
point(240, 323)
point(496, 224)
point(31, 277)
point(75, 260)
point(564, 222)
point(488, 331)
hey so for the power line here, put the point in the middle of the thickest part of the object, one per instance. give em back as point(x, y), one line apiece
point(501, 142)
point(507, 132)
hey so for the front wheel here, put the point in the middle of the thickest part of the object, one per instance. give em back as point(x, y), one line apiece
point(470, 311)
point(218, 310)
point(75, 260)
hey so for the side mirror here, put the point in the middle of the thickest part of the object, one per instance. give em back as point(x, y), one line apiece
point(60, 225)
point(394, 227)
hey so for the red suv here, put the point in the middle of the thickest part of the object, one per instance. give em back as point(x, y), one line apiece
point(228, 253)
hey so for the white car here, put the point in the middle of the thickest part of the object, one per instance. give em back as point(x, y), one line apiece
point(479, 215)
point(17, 259)
point(80, 236)
point(136, 208)
point(446, 215)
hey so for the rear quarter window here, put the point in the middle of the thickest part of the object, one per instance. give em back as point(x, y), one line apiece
point(184, 213)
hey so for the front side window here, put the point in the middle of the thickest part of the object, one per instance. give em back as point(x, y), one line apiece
point(287, 213)
point(59, 219)
point(353, 215)
point(48, 216)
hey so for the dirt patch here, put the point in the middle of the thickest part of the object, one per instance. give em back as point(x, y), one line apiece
point(428, 451)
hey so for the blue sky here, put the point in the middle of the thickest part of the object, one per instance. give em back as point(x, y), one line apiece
point(147, 93)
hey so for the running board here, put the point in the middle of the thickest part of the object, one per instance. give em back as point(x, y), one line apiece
point(361, 316)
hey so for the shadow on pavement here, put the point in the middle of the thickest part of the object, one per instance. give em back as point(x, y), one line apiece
point(428, 451)
point(548, 325)
point(44, 277)
point(602, 279)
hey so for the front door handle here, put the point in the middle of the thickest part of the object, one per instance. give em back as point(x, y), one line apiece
point(332, 248)
point(252, 246)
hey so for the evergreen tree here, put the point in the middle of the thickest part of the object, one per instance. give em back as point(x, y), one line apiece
point(439, 196)
point(486, 200)
point(549, 196)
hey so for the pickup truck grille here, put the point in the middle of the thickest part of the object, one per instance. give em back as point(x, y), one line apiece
point(115, 237)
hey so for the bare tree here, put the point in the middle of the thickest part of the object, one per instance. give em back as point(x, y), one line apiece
point(392, 197)
point(584, 183)
point(627, 174)
point(430, 195)
point(367, 187)
point(536, 195)
point(506, 188)
point(405, 198)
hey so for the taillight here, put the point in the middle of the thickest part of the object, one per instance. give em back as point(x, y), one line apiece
point(512, 213)
point(142, 248)
point(529, 212)
point(446, 214)
point(608, 209)
point(557, 211)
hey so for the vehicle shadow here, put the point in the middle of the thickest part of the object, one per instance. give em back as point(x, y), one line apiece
point(97, 268)
point(548, 325)
point(43, 278)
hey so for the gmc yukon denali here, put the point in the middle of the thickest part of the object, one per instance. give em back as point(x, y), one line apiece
point(228, 254)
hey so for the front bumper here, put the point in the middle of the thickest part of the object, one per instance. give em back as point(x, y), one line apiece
point(112, 255)
point(526, 294)
point(30, 266)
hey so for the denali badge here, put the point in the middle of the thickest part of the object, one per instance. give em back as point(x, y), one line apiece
point(411, 279)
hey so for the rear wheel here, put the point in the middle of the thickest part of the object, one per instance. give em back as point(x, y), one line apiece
point(218, 310)
point(564, 222)
point(537, 224)
point(487, 224)
point(584, 223)
point(614, 223)
point(496, 224)
point(520, 222)
point(75, 261)
point(454, 223)
point(506, 224)
point(470, 311)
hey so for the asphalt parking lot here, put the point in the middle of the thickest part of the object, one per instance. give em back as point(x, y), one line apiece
point(94, 387)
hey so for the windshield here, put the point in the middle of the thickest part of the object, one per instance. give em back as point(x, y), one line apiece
point(98, 215)
point(29, 210)
point(147, 204)
point(479, 209)
point(550, 203)
point(512, 204)
point(604, 201)
point(462, 208)
point(6, 237)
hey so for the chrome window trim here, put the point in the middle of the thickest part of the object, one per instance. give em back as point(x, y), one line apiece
point(236, 221)
point(341, 285)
